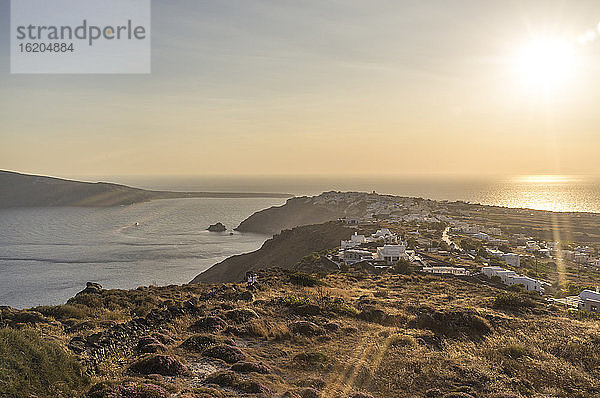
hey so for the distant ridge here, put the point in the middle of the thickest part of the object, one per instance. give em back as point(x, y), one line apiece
point(26, 190)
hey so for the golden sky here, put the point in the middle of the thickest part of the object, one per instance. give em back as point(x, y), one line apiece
point(459, 88)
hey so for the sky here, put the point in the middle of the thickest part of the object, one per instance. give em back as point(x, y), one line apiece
point(315, 87)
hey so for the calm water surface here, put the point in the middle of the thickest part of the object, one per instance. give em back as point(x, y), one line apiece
point(48, 254)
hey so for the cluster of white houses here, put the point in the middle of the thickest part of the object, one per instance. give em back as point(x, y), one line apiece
point(511, 259)
point(392, 250)
point(511, 278)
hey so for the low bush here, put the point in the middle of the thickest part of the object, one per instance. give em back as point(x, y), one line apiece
point(66, 311)
point(402, 340)
point(32, 366)
point(512, 301)
point(312, 360)
point(302, 279)
point(514, 351)
point(454, 323)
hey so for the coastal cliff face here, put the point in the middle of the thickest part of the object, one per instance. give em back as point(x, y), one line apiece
point(295, 212)
point(283, 250)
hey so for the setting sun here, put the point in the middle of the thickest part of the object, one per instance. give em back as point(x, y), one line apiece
point(545, 64)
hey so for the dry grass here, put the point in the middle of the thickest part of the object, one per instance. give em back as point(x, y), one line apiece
point(446, 334)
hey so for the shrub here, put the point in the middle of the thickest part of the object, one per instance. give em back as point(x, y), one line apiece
point(342, 309)
point(454, 324)
point(514, 351)
point(127, 390)
point(63, 312)
point(303, 279)
point(87, 299)
point(30, 365)
point(199, 342)
point(312, 360)
point(402, 267)
point(247, 367)
point(402, 340)
point(159, 364)
point(514, 302)
point(225, 352)
point(295, 300)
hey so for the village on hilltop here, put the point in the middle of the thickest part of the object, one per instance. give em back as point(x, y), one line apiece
point(434, 237)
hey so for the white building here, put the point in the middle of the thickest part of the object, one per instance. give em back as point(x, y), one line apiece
point(511, 278)
point(506, 276)
point(481, 235)
point(491, 271)
point(355, 241)
point(445, 270)
point(511, 259)
point(590, 300)
point(392, 253)
point(352, 256)
point(528, 283)
point(386, 235)
point(532, 246)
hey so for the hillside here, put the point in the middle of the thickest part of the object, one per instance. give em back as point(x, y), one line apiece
point(284, 250)
point(295, 212)
point(346, 335)
point(23, 190)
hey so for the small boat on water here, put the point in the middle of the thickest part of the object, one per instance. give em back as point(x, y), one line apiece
point(137, 224)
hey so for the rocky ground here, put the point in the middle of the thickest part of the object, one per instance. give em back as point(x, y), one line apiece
point(299, 335)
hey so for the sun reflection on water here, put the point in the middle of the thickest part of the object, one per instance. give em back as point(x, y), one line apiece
point(546, 192)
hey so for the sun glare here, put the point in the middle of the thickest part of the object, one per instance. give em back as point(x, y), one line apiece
point(545, 179)
point(545, 64)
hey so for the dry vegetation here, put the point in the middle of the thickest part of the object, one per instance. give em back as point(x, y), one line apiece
point(295, 335)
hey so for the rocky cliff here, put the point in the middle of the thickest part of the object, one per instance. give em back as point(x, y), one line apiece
point(284, 250)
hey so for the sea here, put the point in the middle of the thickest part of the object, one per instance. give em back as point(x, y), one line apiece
point(48, 254)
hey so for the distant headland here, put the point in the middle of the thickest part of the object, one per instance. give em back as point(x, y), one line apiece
point(25, 190)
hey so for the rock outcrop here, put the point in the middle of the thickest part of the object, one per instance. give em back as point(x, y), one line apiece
point(218, 227)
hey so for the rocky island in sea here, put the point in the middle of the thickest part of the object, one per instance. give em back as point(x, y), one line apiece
point(218, 227)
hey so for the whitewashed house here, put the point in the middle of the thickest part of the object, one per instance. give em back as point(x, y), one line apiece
point(392, 253)
point(511, 259)
point(491, 270)
point(386, 235)
point(354, 241)
point(481, 235)
point(445, 270)
point(528, 283)
point(352, 256)
point(589, 300)
point(506, 276)
point(511, 278)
